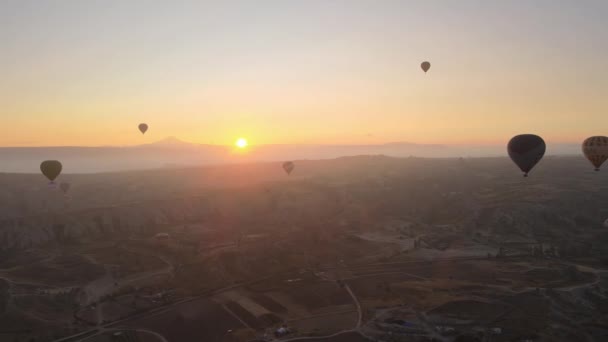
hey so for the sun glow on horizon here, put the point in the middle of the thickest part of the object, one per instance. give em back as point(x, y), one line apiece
point(241, 143)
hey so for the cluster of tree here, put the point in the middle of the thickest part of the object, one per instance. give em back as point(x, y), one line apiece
point(502, 252)
point(562, 251)
point(569, 251)
point(384, 286)
point(598, 298)
point(66, 299)
point(573, 273)
point(538, 251)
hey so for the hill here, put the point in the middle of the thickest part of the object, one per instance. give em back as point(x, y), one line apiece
point(467, 244)
point(174, 153)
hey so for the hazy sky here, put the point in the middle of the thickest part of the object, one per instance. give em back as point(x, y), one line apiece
point(88, 72)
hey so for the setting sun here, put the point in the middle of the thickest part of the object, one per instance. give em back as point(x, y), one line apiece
point(241, 143)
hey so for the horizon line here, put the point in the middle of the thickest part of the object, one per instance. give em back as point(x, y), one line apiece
point(159, 143)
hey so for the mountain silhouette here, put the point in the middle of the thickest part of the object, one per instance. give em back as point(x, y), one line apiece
point(173, 152)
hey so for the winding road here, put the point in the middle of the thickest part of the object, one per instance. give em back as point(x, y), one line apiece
point(357, 304)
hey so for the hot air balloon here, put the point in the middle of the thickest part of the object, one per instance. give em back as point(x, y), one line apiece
point(65, 187)
point(526, 150)
point(596, 150)
point(288, 167)
point(143, 128)
point(51, 169)
point(425, 66)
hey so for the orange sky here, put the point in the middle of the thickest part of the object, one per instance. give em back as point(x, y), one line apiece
point(316, 72)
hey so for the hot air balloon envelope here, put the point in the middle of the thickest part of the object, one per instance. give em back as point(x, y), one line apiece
point(526, 150)
point(51, 169)
point(596, 150)
point(425, 66)
point(143, 128)
point(288, 167)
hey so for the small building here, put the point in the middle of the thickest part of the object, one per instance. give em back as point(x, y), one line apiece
point(282, 331)
point(444, 329)
point(162, 239)
point(496, 331)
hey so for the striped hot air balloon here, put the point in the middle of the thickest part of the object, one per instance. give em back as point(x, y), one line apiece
point(596, 150)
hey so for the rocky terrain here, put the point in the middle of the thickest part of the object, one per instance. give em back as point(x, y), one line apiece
point(466, 244)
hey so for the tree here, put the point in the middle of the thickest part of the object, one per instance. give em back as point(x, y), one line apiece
point(501, 252)
point(572, 273)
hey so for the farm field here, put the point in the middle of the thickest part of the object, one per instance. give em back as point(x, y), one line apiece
point(200, 320)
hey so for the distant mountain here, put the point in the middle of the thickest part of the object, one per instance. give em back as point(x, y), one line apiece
point(173, 152)
point(170, 141)
point(404, 143)
point(175, 143)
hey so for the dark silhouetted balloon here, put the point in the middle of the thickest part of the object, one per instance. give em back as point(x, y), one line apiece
point(596, 150)
point(288, 167)
point(526, 150)
point(425, 66)
point(143, 128)
point(65, 187)
point(51, 169)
